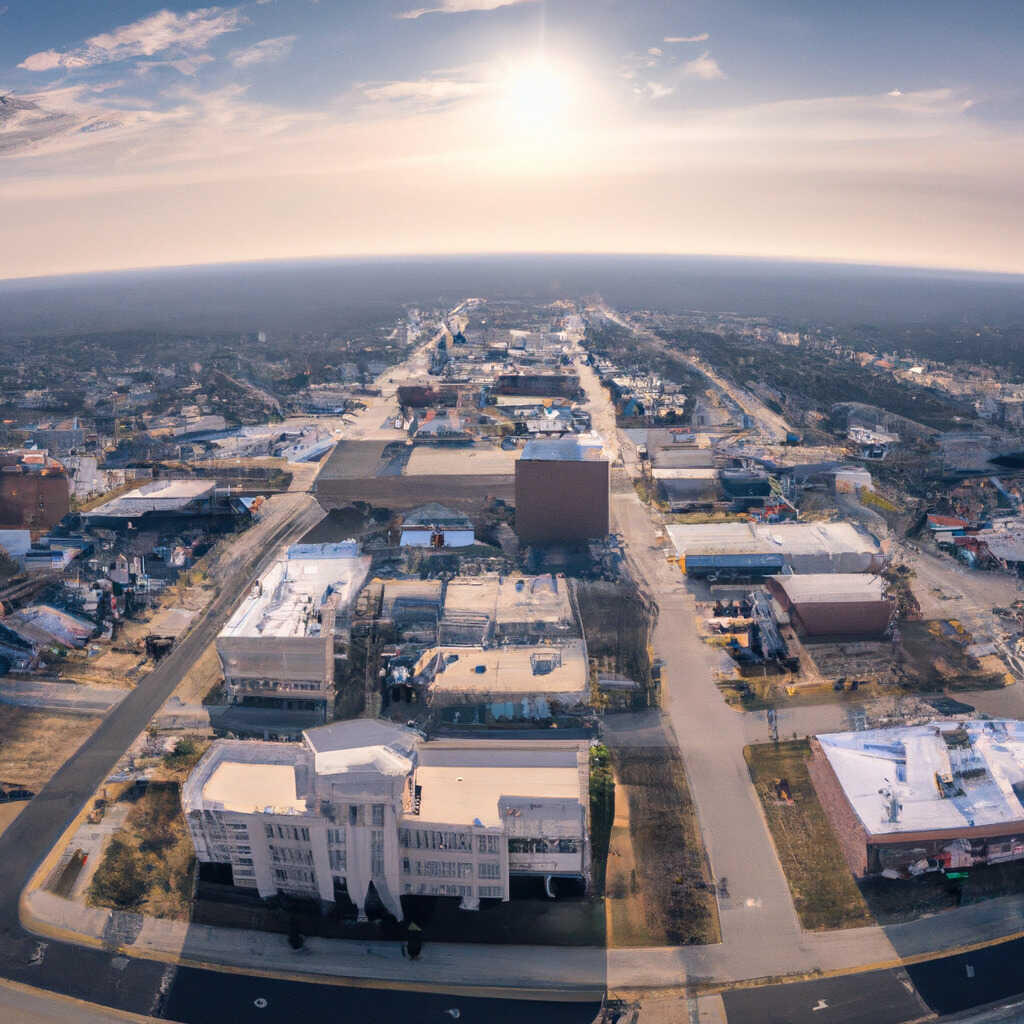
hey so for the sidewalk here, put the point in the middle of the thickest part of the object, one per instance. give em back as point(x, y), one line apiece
point(573, 972)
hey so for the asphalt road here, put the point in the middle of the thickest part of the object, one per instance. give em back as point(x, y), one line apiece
point(88, 974)
point(200, 997)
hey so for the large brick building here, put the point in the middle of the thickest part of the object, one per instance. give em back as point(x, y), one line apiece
point(561, 492)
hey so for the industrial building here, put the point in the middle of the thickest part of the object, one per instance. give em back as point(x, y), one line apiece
point(925, 797)
point(487, 610)
point(561, 492)
point(768, 548)
point(364, 812)
point(434, 526)
point(495, 684)
point(834, 604)
point(162, 500)
point(35, 493)
point(277, 650)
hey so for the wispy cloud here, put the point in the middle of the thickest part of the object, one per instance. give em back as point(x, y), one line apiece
point(153, 34)
point(262, 52)
point(705, 66)
point(462, 7)
point(702, 38)
point(429, 92)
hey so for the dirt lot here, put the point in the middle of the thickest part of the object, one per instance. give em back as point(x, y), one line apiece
point(824, 892)
point(659, 888)
point(617, 623)
point(34, 744)
point(933, 659)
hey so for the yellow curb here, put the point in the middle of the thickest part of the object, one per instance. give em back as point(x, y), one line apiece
point(98, 1008)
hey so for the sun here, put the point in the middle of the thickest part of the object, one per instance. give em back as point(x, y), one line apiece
point(537, 93)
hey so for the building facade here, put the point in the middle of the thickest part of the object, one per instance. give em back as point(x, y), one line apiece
point(366, 811)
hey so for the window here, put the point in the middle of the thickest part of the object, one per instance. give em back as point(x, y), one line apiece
point(336, 836)
point(490, 869)
point(245, 860)
point(378, 815)
point(377, 852)
point(268, 831)
point(465, 869)
point(487, 844)
point(280, 874)
point(491, 892)
point(338, 859)
point(403, 838)
point(405, 866)
point(353, 814)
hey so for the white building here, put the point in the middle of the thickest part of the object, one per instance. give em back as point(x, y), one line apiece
point(277, 650)
point(365, 809)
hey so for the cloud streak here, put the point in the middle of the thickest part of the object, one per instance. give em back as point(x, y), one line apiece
point(461, 7)
point(262, 52)
point(151, 35)
point(702, 38)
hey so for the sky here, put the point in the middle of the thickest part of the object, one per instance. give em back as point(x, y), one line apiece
point(135, 135)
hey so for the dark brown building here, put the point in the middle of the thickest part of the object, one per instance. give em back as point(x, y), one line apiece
point(34, 492)
point(834, 604)
point(561, 493)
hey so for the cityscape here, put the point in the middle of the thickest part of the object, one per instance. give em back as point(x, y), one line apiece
point(620, 629)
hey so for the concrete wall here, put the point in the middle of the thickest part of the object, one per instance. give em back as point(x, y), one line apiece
point(561, 501)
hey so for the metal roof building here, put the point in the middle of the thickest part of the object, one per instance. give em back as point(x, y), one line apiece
point(834, 604)
point(804, 547)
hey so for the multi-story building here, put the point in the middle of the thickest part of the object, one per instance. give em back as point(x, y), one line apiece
point(277, 650)
point(561, 492)
point(366, 811)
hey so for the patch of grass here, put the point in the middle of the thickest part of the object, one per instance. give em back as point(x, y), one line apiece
point(34, 744)
point(602, 812)
point(824, 892)
point(148, 864)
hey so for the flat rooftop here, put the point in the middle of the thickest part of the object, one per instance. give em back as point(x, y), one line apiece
point(286, 599)
point(158, 496)
point(459, 785)
point(770, 538)
point(512, 670)
point(982, 761)
point(512, 598)
point(830, 587)
point(252, 788)
point(458, 460)
point(564, 449)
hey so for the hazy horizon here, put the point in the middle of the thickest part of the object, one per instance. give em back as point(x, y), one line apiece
point(144, 135)
point(315, 294)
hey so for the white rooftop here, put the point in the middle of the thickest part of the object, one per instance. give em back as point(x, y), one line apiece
point(362, 745)
point(584, 448)
point(157, 496)
point(891, 776)
point(770, 538)
point(285, 601)
point(511, 598)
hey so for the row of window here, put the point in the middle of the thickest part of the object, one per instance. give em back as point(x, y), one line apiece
point(421, 839)
point(424, 889)
point(450, 868)
point(521, 844)
point(295, 832)
point(291, 855)
point(294, 875)
point(269, 684)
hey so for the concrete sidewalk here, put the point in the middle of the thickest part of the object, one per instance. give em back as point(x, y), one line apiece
point(571, 971)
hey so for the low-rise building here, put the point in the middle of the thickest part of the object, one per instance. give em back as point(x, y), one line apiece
point(366, 811)
point(508, 683)
point(277, 650)
point(844, 604)
point(924, 797)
